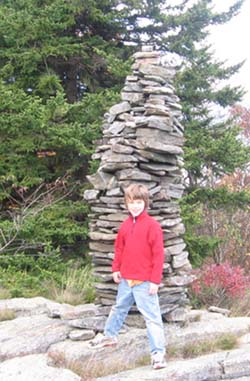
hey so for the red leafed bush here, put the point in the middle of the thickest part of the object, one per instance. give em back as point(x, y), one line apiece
point(220, 285)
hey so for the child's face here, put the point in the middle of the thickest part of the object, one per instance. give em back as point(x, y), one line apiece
point(136, 207)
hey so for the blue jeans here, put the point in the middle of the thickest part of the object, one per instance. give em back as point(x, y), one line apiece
point(147, 304)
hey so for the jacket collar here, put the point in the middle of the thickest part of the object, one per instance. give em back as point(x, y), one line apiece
point(140, 217)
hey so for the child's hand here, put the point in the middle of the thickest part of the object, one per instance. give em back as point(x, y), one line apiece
point(117, 276)
point(153, 288)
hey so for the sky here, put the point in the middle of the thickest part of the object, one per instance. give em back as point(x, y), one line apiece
point(230, 43)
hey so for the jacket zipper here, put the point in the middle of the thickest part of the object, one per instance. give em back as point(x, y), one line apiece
point(134, 222)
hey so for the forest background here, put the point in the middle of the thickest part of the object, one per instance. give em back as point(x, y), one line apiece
point(62, 65)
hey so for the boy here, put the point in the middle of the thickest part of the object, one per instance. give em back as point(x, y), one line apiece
point(137, 268)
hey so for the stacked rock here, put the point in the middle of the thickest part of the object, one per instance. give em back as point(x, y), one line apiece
point(142, 143)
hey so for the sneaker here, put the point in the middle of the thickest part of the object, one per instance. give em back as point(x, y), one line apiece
point(101, 341)
point(158, 361)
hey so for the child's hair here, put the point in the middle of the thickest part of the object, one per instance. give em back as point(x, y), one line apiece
point(137, 192)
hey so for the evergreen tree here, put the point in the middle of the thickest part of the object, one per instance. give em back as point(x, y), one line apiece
point(62, 63)
point(213, 147)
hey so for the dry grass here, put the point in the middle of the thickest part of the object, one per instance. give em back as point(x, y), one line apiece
point(77, 287)
point(192, 350)
point(7, 314)
point(92, 368)
point(4, 293)
point(241, 307)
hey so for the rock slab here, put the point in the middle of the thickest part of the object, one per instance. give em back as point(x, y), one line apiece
point(34, 368)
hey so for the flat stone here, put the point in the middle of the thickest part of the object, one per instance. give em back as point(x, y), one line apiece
point(120, 108)
point(134, 174)
point(120, 148)
point(180, 260)
point(159, 147)
point(102, 180)
point(112, 200)
point(29, 306)
point(155, 78)
point(25, 336)
point(95, 323)
point(170, 222)
point(112, 167)
point(98, 236)
point(178, 314)
point(155, 70)
point(116, 127)
point(115, 216)
point(161, 122)
point(133, 346)
point(158, 90)
point(145, 54)
point(99, 246)
point(102, 210)
point(34, 368)
point(132, 87)
point(114, 192)
point(178, 280)
point(152, 134)
point(219, 310)
point(141, 121)
point(133, 98)
point(237, 363)
point(189, 370)
point(80, 311)
point(90, 194)
point(132, 78)
point(155, 156)
point(81, 335)
point(113, 157)
point(175, 249)
point(147, 82)
point(175, 191)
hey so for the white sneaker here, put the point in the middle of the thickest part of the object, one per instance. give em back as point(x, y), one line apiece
point(101, 341)
point(158, 361)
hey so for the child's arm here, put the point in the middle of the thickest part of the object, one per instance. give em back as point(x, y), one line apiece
point(157, 247)
point(116, 264)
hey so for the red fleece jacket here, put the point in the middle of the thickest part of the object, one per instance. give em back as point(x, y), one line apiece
point(139, 249)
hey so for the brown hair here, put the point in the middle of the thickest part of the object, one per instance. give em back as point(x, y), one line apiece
point(137, 192)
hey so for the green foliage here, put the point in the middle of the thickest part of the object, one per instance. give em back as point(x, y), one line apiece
point(212, 147)
point(61, 224)
point(29, 276)
point(44, 160)
point(37, 136)
point(62, 65)
point(221, 343)
point(199, 246)
point(219, 198)
point(47, 45)
point(76, 286)
point(192, 205)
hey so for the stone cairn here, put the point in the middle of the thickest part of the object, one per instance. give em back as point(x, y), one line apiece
point(142, 140)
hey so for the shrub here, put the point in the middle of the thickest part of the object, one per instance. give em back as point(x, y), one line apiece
point(76, 286)
point(220, 343)
point(48, 275)
point(221, 285)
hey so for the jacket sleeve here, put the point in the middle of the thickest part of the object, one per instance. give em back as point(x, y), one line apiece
point(157, 249)
point(119, 244)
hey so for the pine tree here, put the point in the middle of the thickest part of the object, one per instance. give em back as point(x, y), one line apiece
point(213, 147)
point(62, 63)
